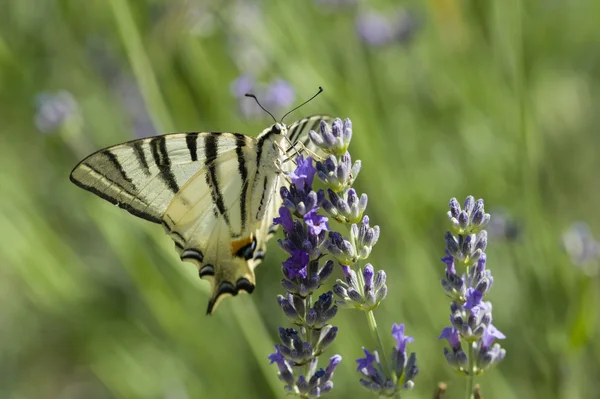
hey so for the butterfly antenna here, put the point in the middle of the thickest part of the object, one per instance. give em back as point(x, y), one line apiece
point(305, 102)
point(260, 105)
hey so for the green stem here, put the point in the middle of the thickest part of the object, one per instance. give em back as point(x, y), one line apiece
point(373, 328)
point(470, 375)
point(307, 306)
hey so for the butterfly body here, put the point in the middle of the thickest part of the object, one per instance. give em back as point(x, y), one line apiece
point(214, 193)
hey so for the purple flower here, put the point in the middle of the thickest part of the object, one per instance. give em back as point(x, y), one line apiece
point(334, 361)
point(490, 334)
point(379, 29)
point(302, 177)
point(280, 94)
point(581, 246)
point(366, 362)
point(239, 87)
point(316, 223)
point(55, 110)
point(304, 233)
point(449, 261)
point(375, 28)
point(402, 366)
point(401, 340)
point(296, 264)
point(285, 219)
point(276, 357)
point(473, 298)
point(470, 315)
point(242, 85)
point(452, 336)
point(285, 371)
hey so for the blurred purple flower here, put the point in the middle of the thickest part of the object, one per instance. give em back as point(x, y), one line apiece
point(280, 95)
point(54, 110)
point(378, 29)
point(581, 246)
point(276, 96)
point(503, 225)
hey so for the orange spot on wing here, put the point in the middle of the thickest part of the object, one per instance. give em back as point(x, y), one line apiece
point(237, 245)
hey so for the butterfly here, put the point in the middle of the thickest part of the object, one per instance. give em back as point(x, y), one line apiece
point(214, 193)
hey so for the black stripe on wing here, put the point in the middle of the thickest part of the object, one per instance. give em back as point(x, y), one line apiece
point(191, 139)
point(117, 165)
point(158, 146)
point(124, 205)
point(239, 151)
point(138, 150)
point(210, 146)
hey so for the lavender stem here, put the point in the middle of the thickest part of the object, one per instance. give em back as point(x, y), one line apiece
point(470, 375)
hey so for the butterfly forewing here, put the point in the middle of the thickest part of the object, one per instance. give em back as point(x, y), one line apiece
point(216, 194)
point(143, 176)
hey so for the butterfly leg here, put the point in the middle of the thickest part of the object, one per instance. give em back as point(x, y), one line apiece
point(305, 149)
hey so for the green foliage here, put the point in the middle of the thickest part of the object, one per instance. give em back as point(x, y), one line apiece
point(492, 98)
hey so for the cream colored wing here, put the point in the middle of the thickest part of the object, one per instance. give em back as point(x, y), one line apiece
point(210, 219)
point(143, 176)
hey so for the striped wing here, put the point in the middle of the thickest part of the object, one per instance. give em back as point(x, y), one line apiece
point(298, 136)
point(197, 185)
point(207, 190)
point(143, 176)
point(211, 218)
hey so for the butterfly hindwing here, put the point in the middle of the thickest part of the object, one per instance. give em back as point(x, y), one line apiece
point(210, 218)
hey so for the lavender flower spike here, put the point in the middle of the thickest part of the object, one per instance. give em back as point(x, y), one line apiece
point(335, 139)
point(404, 368)
point(470, 314)
point(304, 231)
point(362, 288)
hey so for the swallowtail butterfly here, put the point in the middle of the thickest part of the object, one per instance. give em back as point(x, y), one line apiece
point(214, 193)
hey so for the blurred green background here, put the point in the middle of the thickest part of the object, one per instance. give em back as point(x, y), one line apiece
point(495, 98)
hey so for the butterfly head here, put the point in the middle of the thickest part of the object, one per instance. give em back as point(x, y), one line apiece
point(279, 129)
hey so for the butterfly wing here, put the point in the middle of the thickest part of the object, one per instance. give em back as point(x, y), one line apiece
point(211, 191)
point(143, 176)
point(197, 185)
point(211, 219)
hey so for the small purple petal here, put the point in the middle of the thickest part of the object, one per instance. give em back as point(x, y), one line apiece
point(451, 334)
point(316, 223)
point(296, 264)
point(489, 335)
point(401, 340)
point(366, 362)
point(285, 219)
point(473, 298)
point(449, 261)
